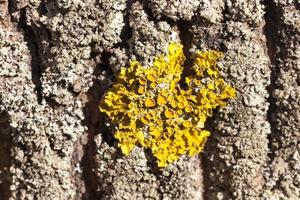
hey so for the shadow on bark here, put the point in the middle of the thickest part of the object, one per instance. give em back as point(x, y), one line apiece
point(95, 121)
point(213, 166)
point(271, 31)
point(6, 132)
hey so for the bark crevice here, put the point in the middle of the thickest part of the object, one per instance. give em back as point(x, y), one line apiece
point(6, 142)
point(32, 43)
point(185, 36)
point(126, 32)
point(95, 121)
point(270, 31)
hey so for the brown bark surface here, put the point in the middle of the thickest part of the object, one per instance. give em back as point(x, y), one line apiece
point(58, 57)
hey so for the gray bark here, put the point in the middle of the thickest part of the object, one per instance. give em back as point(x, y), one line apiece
point(58, 57)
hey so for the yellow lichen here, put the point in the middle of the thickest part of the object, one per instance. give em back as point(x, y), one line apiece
point(149, 108)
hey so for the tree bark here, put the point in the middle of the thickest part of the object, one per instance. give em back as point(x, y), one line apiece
point(57, 59)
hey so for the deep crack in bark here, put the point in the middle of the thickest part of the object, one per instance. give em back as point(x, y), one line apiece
point(126, 32)
point(186, 40)
point(6, 143)
point(95, 121)
point(88, 163)
point(270, 31)
point(31, 40)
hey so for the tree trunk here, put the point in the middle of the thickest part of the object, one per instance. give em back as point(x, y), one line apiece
point(57, 59)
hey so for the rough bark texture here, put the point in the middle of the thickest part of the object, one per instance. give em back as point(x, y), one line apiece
point(58, 57)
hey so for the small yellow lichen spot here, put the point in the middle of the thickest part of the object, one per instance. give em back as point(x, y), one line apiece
point(145, 120)
point(126, 148)
point(151, 77)
point(149, 103)
point(153, 85)
point(161, 100)
point(188, 109)
point(141, 90)
point(187, 124)
point(180, 105)
point(152, 128)
point(155, 133)
point(181, 98)
point(168, 113)
point(150, 109)
point(170, 130)
point(142, 81)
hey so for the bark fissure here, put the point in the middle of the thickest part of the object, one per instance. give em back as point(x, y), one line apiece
point(270, 31)
point(5, 155)
point(186, 40)
point(126, 32)
point(88, 163)
point(95, 121)
point(32, 43)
